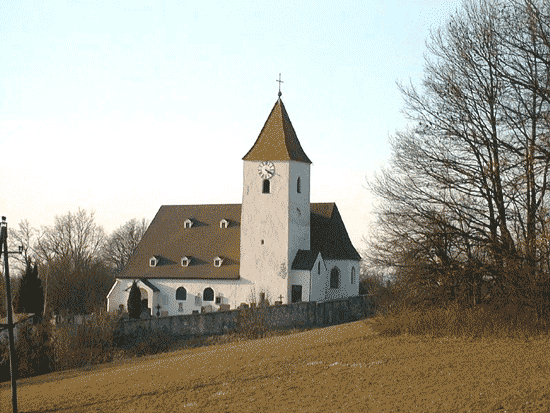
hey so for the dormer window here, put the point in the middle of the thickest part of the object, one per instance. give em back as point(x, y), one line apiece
point(188, 223)
point(185, 261)
point(153, 261)
point(224, 223)
point(218, 261)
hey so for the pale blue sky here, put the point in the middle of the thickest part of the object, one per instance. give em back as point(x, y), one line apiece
point(120, 107)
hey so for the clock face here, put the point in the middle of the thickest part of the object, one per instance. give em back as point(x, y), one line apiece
point(266, 170)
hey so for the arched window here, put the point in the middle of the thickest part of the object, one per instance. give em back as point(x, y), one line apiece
point(181, 294)
point(335, 278)
point(266, 187)
point(298, 185)
point(353, 275)
point(208, 294)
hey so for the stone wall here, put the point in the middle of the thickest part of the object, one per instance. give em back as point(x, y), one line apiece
point(305, 314)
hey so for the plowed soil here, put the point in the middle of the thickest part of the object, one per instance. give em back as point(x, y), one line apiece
point(340, 368)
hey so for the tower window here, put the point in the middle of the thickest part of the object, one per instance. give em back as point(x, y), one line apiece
point(319, 267)
point(266, 186)
point(299, 185)
point(353, 275)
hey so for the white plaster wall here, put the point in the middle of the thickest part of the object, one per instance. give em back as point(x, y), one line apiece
point(299, 277)
point(281, 219)
point(299, 209)
point(265, 217)
point(232, 292)
point(318, 280)
point(346, 289)
point(113, 297)
point(121, 290)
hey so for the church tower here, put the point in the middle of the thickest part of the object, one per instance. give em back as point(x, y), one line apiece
point(275, 221)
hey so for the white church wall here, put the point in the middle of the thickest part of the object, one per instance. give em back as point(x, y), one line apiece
point(230, 292)
point(114, 296)
point(265, 229)
point(121, 291)
point(318, 280)
point(298, 209)
point(299, 277)
point(345, 289)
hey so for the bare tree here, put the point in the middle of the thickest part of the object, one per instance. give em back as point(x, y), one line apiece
point(70, 254)
point(122, 243)
point(26, 237)
point(74, 236)
point(466, 190)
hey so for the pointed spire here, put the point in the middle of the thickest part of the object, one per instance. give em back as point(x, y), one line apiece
point(277, 140)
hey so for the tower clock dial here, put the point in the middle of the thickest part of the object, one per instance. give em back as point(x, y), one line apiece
point(266, 170)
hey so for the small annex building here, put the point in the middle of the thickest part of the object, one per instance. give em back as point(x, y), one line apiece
point(210, 257)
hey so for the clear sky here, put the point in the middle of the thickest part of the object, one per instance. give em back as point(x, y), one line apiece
point(120, 107)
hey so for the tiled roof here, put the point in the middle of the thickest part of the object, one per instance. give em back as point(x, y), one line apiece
point(277, 140)
point(329, 235)
point(304, 260)
point(167, 239)
point(148, 284)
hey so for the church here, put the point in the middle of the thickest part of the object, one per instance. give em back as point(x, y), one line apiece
point(197, 258)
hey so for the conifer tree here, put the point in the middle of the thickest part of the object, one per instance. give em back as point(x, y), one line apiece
point(134, 301)
point(31, 293)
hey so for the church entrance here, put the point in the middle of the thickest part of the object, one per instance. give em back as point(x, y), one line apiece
point(144, 301)
point(296, 293)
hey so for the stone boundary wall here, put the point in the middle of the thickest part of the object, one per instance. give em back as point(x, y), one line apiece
point(305, 314)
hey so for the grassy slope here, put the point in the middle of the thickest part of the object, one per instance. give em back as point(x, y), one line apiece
point(339, 368)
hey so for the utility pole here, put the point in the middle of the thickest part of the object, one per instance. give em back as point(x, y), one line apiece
point(10, 324)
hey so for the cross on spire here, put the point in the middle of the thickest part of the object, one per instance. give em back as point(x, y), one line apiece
point(280, 81)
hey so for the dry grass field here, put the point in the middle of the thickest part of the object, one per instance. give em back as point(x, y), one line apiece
point(349, 367)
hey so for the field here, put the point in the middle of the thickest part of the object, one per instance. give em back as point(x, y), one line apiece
point(345, 368)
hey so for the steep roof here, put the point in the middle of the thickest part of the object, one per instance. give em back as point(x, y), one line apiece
point(277, 140)
point(329, 235)
point(168, 240)
point(148, 284)
point(304, 260)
